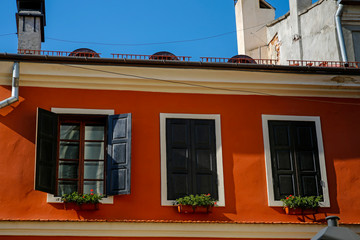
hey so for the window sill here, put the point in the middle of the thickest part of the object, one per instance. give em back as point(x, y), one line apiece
point(173, 203)
point(325, 204)
point(52, 199)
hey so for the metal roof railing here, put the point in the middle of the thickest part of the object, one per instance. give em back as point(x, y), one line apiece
point(240, 60)
point(150, 57)
point(335, 64)
point(58, 53)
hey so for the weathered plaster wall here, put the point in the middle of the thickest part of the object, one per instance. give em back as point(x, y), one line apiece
point(318, 33)
point(317, 37)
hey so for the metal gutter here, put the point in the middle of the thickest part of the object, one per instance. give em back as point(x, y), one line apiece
point(15, 88)
point(340, 33)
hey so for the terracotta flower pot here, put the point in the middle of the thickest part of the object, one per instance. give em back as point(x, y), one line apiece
point(81, 207)
point(192, 209)
point(299, 211)
point(185, 208)
point(203, 209)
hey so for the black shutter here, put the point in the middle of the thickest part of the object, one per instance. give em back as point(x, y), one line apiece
point(204, 157)
point(46, 151)
point(294, 158)
point(119, 155)
point(282, 159)
point(307, 159)
point(191, 157)
point(178, 159)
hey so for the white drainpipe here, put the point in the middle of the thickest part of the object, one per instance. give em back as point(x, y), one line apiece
point(340, 33)
point(15, 88)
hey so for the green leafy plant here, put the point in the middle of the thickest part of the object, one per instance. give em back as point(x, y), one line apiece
point(310, 202)
point(196, 200)
point(79, 199)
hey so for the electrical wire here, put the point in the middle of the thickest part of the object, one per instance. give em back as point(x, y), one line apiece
point(157, 43)
point(209, 87)
point(7, 34)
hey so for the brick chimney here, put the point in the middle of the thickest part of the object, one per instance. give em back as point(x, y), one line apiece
point(30, 20)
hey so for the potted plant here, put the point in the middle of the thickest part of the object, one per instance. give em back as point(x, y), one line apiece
point(202, 203)
point(301, 205)
point(81, 201)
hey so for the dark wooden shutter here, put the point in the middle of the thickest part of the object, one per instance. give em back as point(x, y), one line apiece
point(204, 157)
point(46, 151)
point(178, 159)
point(119, 155)
point(307, 159)
point(191, 157)
point(294, 158)
point(282, 159)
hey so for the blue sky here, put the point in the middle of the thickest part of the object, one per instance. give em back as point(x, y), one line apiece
point(135, 26)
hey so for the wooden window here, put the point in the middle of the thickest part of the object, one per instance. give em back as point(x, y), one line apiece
point(294, 158)
point(81, 154)
point(71, 153)
point(191, 157)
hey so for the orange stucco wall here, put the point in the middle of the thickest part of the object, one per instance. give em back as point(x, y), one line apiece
point(243, 153)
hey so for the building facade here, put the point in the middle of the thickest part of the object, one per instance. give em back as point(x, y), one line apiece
point(145, 132)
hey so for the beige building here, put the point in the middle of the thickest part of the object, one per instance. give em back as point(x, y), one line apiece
point(326, 30)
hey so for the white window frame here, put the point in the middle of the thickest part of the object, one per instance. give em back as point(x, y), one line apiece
point(269, 176)
point(50, 197)
point(219, 158)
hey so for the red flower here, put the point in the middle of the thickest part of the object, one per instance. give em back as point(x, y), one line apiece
point(287, 197)
point(208, 194)
point(83, 196)
point(91, 190)
point(91, 193)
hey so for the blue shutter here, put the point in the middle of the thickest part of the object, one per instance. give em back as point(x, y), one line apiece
point(46, 150)
point(119, 155)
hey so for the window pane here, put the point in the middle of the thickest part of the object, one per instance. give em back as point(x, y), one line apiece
point(69, 150)
point(67, 187)
point(69, 132)
point(94, 170)
point(94, 150)
point(94, 133)
point(97, 186)
point(68, 169)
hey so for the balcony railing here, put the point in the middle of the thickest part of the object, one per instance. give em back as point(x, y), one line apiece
point(58, 53)
point(150, 57)
point(335, 64)
point(239, 60)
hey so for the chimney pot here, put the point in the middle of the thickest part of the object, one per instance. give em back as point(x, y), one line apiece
point(333, 221)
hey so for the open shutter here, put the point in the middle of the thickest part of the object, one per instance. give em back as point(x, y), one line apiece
point(204, 157)
point(119, 155)
point(46, 150)
point(178, 159)
point(282, 159)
